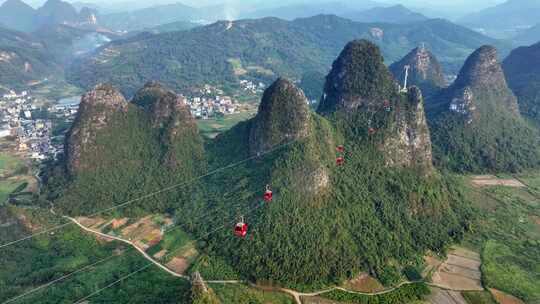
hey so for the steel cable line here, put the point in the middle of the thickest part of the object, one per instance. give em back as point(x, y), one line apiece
point(166, 189)
point(108, 258)
point(150, 264)
point(183, 225)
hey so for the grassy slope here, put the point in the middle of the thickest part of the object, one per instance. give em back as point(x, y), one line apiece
point(509, 238)
point(10, 166)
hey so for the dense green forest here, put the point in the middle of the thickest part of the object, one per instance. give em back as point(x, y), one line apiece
point(523, 74)
point(498, 141)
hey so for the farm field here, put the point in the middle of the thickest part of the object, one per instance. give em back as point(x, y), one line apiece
point(507, 234)
point(210, 128)
point(14, 176)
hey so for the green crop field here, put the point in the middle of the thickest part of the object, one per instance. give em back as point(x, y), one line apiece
point(211, 127)
point(507, 233)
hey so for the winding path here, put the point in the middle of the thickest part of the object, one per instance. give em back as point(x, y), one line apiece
point(295, 294)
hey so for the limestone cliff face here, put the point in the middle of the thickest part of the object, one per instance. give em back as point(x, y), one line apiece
point(425, 70)
point(97, 111)
point(360, 86)
point(410, 143)
point(283, 117)
point(170, 114)
point(476, 123)
point(479, 89)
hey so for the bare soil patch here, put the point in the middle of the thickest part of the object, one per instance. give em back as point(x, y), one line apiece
point(117, 223)
point(364, 283)
point(504, 298)
point(90, 222)
point(178, 265)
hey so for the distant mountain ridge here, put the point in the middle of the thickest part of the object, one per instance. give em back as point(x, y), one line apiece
point(24, 60)
point(17, 15)
point(528, 36)
point(506, 18)
point(392, 14)
point(261, 49)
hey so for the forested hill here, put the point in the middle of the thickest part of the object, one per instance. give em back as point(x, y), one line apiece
point(476, 124)
point(223, 52)
point(325, 223)
point(522, 69)
point(23, 60)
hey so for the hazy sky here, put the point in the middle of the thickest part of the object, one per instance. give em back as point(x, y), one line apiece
point(435, 3)
point(441, 5)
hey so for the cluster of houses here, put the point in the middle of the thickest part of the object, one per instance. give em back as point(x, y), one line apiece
point(23, 120)
point(209, 102)
point(251, 87)
point(207, 107)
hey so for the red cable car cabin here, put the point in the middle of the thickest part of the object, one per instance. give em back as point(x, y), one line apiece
point(267, 196)
point(371, 131)
point(340, 148)
point(240, 229)
point(340, 161)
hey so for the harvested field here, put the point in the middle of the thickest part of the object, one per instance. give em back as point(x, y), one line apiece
point(491, 180)
point(503, 298)
point(441, 296)
point(144, 232)
point(90, 222)
point(460, 271)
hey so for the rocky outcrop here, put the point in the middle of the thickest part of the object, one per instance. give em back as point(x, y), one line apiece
point(425, 71)
point(164, 106)
point(409, 144)
point(283, 117)
point(480, 87)
point(360, 86)
point(97, 109)
point(358, 78)
point(476, 124)
point(170, 114)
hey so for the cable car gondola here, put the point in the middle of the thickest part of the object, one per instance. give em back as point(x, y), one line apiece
point(267, 196)
point(340, 148)
point(240, 229)
point(340, 161)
